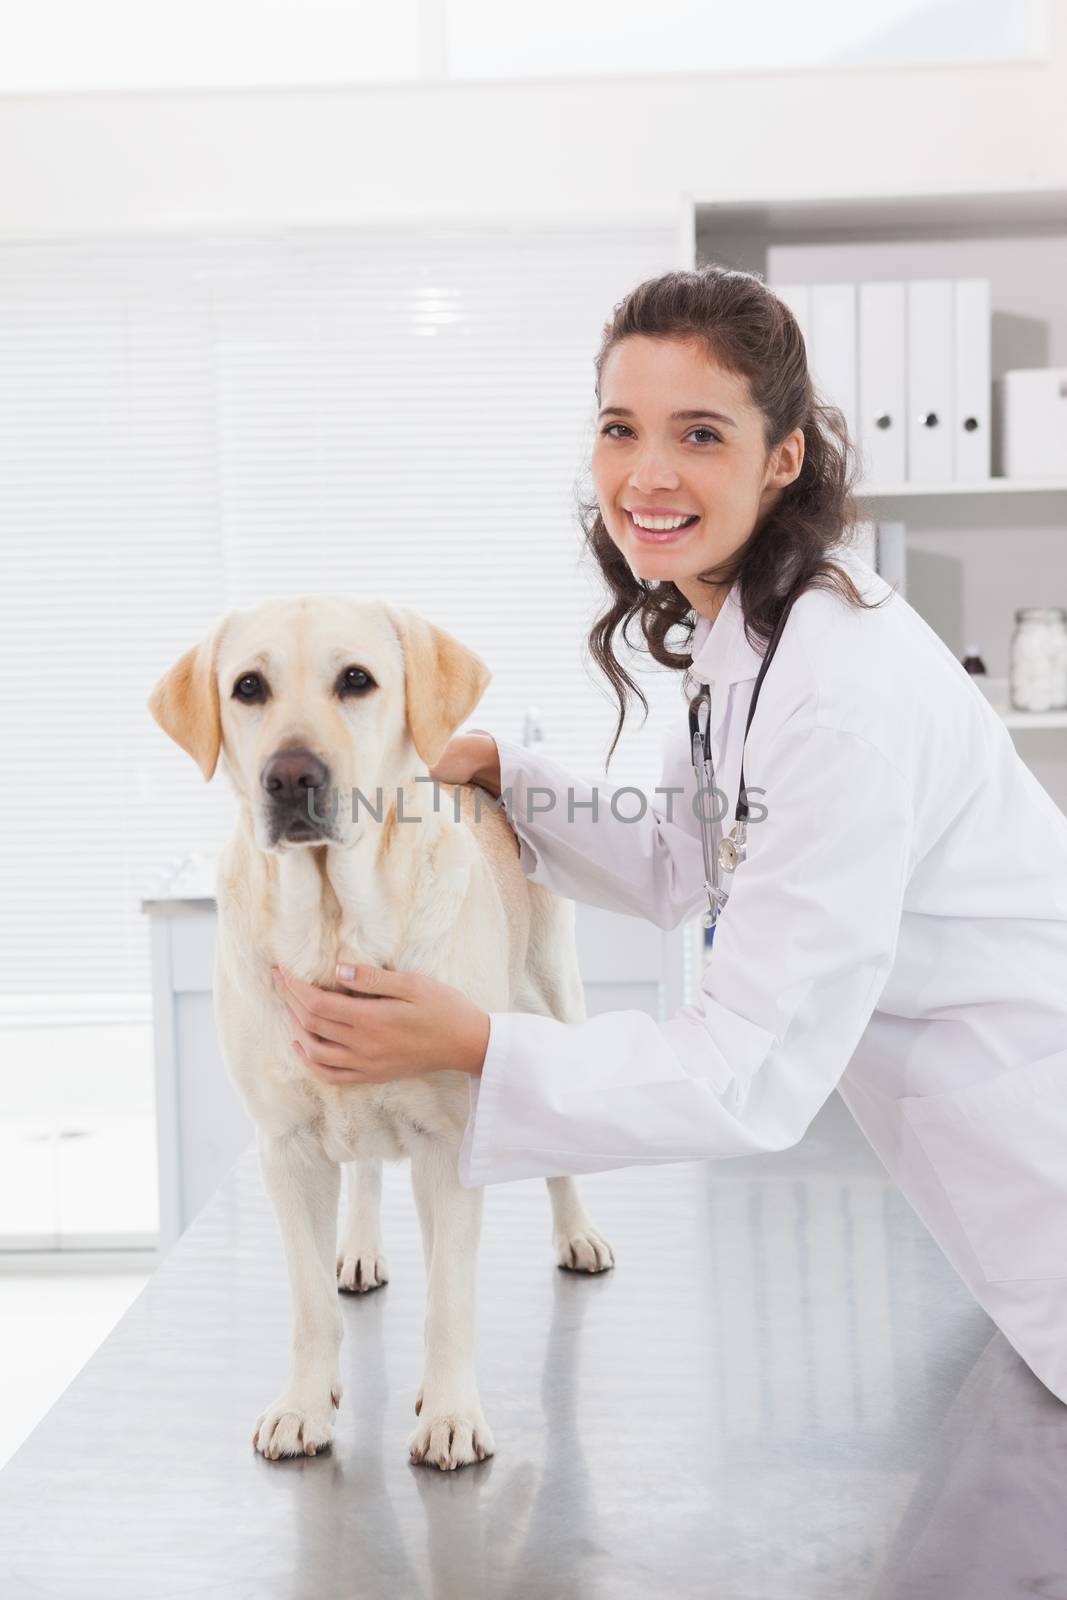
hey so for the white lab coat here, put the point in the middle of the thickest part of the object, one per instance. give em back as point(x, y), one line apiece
point(898, 931)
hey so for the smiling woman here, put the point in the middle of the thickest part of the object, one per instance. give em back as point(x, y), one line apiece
point(748, 480)
point(868, 924)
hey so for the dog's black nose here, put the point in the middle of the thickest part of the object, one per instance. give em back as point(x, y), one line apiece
point(288, 776)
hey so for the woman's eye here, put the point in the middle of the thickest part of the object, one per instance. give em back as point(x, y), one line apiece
point(612, 425)
point(249, 687)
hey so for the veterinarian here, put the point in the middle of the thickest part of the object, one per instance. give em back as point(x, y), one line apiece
point(889, 917)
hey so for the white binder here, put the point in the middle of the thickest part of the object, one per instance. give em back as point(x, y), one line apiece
point(1033, 417)
point(862, 540)
point(883, 432)
point(931, 318)
point(972, 389)
point(892, 555)
point(832, 348)
point(882, 546)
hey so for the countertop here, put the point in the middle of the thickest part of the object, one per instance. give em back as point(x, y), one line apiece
point(781, 1391)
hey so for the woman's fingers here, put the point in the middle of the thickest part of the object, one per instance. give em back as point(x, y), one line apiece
point(337, 1051)
point(455, 763)
point(468, 758)
point(319, 1052)
point(316, 1017)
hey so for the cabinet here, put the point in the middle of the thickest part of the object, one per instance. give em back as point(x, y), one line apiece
point(976, 552)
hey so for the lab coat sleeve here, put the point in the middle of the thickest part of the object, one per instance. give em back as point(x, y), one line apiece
point(801, 953)
point(628, 855)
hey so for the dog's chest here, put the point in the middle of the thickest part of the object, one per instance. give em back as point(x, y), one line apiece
point(386, 1120)
point(317, 919)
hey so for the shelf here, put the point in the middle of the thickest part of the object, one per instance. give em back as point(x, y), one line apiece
point(823, 220)
point(996, 692)
point(897, 491)
point(1034, 719)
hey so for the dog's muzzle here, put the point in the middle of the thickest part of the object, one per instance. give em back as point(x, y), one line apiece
point(297, 786)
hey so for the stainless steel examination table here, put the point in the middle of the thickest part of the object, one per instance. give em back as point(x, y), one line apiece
point(781, 1390)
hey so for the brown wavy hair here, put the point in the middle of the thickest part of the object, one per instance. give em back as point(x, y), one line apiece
point(745, 328)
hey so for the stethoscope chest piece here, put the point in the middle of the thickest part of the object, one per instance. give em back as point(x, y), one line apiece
point(732, 849)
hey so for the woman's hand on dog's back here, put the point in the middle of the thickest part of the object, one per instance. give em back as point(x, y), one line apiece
point(470, 758)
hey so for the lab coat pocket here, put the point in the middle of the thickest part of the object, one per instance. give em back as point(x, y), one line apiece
point(1000, 1152)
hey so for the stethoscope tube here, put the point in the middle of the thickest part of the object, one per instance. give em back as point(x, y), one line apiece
point(732, 849)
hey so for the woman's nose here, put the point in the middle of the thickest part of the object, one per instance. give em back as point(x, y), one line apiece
point(653, 471)
point(653, 474)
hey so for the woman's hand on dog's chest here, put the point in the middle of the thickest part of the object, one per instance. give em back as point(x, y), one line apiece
point(383, 1025)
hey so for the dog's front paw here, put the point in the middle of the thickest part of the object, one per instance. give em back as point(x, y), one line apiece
point(584, 1251)
point(450, 1437)
point(293, 1426)
point(360, 1269)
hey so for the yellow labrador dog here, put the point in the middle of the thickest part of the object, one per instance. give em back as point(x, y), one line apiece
point(302, 702)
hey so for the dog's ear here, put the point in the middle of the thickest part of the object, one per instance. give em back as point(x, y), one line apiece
point(185, 703)
point(443, 681)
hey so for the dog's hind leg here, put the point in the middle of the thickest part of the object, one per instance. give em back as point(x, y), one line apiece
point(452, 1428)
point(360, 1263)
point(304, 1186)
point(552, 987)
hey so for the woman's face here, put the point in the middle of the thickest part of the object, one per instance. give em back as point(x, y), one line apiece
point(678, 436)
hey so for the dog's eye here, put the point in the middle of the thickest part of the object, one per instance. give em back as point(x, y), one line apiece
point(354, 680)
point(249, 688)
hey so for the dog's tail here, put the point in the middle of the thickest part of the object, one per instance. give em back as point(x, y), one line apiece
point(552, 982)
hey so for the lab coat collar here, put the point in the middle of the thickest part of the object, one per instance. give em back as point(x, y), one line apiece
point(720, 649)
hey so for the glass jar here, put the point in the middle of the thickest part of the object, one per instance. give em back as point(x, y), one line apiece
point(1039, 659)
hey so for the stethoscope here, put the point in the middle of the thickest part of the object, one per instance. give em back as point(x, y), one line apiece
point(733, 848)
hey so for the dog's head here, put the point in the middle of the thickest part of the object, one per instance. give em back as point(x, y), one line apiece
point(305, 700)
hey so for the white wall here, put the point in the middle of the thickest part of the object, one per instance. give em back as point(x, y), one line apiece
point(619, 150)
point(613, 151)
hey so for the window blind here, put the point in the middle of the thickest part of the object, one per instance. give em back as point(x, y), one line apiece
point(194, 423)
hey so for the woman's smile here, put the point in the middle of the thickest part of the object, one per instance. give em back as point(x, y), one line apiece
point(657, 528)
